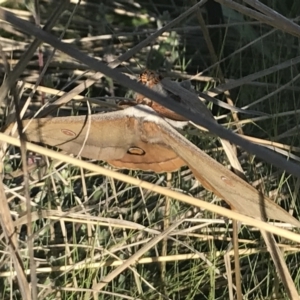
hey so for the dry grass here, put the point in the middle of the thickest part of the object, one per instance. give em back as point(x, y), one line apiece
point(82, 230)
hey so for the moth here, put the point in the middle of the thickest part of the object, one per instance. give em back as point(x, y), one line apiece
point(141, 137)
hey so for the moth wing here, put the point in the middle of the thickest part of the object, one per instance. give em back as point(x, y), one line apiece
point(240, 195)
point(99, 138)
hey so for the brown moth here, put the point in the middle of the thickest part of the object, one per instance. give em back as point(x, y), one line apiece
point(138, 138)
